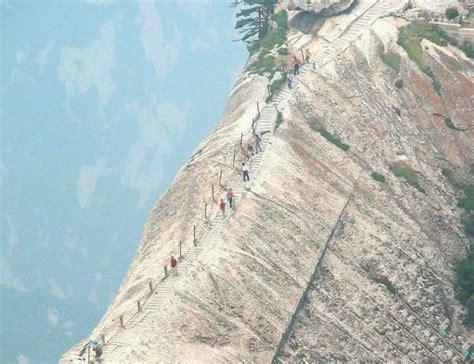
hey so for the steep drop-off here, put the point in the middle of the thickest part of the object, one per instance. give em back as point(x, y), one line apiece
point(318, 260)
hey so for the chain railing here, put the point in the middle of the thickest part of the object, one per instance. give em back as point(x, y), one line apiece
point(122, 321)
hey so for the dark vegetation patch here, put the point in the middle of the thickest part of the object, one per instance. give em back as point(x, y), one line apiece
point(449, 123)
point(464, 285)
point(464, 268)
point(466, 201)
point(404, 171)
point(392, 60)
point(468, 49)
point(378, 177)
point(266, 62)
point(451, 13)
point(386, 282)
point(334, 139)
point(410, 39)
point(316, 126)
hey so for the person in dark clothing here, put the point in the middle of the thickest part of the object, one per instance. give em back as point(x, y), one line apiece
point(230, 197)
point(296, 65)
point(97, 348)
point(258, 143)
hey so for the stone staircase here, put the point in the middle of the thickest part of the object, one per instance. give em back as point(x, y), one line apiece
point(209, 238)
point(378, 9)
point(265, 126)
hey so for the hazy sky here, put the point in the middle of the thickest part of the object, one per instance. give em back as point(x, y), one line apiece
point(102, 102)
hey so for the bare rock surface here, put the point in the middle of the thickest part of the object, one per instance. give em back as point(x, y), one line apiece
point(322, 7)
point(318, 261)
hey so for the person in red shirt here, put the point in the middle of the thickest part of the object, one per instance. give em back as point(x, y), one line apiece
point(174, 266)
point(230, 197)
point(222, 206)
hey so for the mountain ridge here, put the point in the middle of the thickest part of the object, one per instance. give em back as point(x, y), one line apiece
point(229, 306)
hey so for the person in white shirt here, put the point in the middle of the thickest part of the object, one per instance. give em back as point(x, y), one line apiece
point(245, 172)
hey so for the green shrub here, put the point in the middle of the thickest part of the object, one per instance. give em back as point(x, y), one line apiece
point(467, 201)
point(464, 269)
point(334, 139)
point(401, 170)
point(464, 285)
point(281, 18)
point(449, 123)
point(392, 60)
point(279, 120)
point(274, 37)
point(451, 13)
point(468, 224)
point(436, 85)
point(378, 177)
point(265, 63)
point(386, 282)
point(317, 126)
point(450, 176)
point(410, 39)
point(468, 49)
point(267, 42)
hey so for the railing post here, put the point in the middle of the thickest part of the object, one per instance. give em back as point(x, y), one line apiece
point(241, 138)
point(233, 160)
point(150, 284)
point(302, 56)
point(258, 109)
point(180, 256)
point(121, 322)
point(166, 271)
point(194, 235)
point(220, 178)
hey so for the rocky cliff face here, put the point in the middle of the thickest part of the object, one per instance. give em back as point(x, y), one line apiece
point(318, 261)
point(322, 7)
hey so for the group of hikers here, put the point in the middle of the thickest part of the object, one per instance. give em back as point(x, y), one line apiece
point(222, 208)
point(306, 55)
point(250, 152)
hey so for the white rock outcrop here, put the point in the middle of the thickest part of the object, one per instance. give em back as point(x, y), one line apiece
point(317, 261)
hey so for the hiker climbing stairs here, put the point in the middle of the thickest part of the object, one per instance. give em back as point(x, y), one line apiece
point(187, 264)
point(211, 234)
